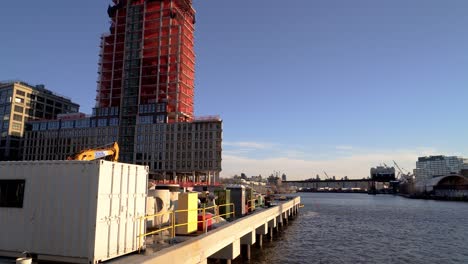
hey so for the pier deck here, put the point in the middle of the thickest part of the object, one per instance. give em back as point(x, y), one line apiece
point(224, 242)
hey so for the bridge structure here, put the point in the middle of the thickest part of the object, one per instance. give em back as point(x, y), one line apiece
point(327, 185)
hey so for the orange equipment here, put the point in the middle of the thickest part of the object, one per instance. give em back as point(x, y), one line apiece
point(91, 154)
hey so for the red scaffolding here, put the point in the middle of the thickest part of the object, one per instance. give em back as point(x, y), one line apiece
point(166, 53)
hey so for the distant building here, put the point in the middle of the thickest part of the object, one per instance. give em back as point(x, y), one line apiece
point(435, 166)
point(382, 174)
point(21, 102)
point(283, 177)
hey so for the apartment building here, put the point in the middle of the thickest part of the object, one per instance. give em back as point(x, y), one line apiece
point(435, 166)
point(190, 150)
point(21, 102)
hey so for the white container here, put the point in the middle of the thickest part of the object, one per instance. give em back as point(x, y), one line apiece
point(25, 260)
point(162, 198)
point(74, 211)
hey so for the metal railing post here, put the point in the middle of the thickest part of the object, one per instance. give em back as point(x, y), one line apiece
point(173, 224)
point(204, 219)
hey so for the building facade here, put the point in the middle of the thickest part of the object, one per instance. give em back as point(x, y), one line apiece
point(182, 150)
point(435, 166)
point(382, 174)
point(148, 61)
point(21, 102)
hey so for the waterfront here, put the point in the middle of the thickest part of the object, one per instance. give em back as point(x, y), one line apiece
point(361, 228)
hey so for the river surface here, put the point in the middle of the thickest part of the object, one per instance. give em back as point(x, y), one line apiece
point(361, 228)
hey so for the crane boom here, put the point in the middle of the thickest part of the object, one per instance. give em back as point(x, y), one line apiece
point(396, 165)
point(97, 153)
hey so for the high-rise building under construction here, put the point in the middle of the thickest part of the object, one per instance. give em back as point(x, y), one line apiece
point(144, 98)
point(147, 66)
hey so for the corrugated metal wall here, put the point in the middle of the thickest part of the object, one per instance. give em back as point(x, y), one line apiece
point(74, 209)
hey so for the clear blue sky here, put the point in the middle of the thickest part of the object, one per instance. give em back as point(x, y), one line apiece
point(302, 86)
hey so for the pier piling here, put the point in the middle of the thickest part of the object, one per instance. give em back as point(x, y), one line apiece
point(245, 252)
point(259, 239)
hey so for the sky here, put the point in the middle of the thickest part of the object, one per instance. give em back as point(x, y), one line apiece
point(302, 86)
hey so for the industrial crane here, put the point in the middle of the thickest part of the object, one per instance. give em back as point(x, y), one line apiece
point(111, 151)
point(403, 176)
point(326, 175)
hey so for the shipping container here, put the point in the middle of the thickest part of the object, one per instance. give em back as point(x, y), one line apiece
point(72, 211)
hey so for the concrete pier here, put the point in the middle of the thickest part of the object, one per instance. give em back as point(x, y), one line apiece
point(223, 243)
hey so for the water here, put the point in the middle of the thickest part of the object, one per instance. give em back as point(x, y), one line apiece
point(361, 228)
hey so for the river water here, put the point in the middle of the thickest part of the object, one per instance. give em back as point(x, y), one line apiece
point(361, 228)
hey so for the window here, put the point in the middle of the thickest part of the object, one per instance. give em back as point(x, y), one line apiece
point(21, 93)
point(17, 118)
point(146, 119)
point(68, 124)
point(19, 109)
point(19, 100)
point(160, 119)
point(80, 123)
point(102, 122)
point(35, 127)
point(12, 193)
point(16, 126)
point(114, 122)
point(53, 125)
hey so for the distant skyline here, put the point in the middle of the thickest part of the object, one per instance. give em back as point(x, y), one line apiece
point(302, 86)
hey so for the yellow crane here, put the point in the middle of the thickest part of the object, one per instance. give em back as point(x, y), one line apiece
point(111, 151)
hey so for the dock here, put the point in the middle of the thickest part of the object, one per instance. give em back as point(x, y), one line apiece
point(224, 243)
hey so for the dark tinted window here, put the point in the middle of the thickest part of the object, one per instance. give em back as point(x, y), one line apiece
point(12, 193)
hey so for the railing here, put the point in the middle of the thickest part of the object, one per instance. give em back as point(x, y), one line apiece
point(187, 183)
point(250, 205)
point(172, 225)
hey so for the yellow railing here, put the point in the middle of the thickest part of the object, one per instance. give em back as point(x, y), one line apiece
point(172, 225)
point(250, 205)
point(143, 218)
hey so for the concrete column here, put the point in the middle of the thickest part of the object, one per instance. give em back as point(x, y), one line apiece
point(246, 241)
point(259, 238)
point(245, 252)
point(271, 233)
point(279, 221)
point(228, 253)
